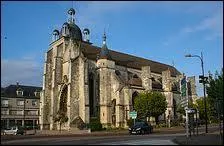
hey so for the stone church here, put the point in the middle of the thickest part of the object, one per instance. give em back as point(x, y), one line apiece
point(86, 81)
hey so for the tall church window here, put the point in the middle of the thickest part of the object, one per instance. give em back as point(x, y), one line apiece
point(91, 94)
point(63, 100)
point(174, 108)
point(134, 95)
point(114, 112)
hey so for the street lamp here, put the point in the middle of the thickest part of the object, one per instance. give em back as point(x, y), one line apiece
point(203, 81)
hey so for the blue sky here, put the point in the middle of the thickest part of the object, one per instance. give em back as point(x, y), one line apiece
point(160, 31)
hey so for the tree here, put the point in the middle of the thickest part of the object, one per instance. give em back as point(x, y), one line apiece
point(180, 110)
point(215, 92)
point(200, 107)
point(61, 118)
point(150, 104)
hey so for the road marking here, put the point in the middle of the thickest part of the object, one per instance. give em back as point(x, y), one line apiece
point(141, 142)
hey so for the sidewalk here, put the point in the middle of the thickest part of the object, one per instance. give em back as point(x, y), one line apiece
point(201, 139)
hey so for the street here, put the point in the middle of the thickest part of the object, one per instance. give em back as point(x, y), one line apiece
point(157, 138)
point(99, 140)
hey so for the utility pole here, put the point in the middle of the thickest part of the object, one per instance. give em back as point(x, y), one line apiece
point(186, 110)
point(203, 81)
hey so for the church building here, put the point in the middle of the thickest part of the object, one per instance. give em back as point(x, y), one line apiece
point(85, 81)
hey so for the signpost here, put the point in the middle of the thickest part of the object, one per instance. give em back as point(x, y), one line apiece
point(133, 115)
point(184, 94)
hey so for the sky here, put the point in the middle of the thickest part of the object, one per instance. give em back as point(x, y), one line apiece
point(163, 31)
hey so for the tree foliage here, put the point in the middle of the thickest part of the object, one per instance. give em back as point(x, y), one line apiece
point(201, 108)
point(150, 104)
point(215, 92)
point(61, 117)
point(180, 110)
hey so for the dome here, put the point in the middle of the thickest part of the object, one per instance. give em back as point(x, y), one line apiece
point(73, 31)
point(55, 32)
point(66, 24)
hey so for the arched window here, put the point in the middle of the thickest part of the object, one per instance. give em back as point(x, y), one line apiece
point(91, 94)
point(63, 100)
point(65, 29)
point(114, 106)
point(113, 103)
point(174, 108)
point(134, 95)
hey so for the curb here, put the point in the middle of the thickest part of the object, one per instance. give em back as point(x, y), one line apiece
point(15, 137)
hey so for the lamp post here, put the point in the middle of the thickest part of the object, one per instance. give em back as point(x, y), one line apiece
point(203, 81)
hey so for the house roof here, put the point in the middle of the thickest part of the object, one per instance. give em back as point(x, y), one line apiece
point(92, 52)
point(28, 91)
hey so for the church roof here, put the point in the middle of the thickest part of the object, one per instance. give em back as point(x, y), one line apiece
point(92, 52)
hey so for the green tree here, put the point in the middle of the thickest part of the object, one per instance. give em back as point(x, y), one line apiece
point(180, 110)
point(215, 92)
point(61, 117)
point(200, 107)
point(150, 104)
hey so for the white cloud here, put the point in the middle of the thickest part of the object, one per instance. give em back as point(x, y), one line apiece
point(212, 26)
point(94, 12)
point(25, 71)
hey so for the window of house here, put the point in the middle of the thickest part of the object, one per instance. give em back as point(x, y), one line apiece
point(5, 103)
point(19, 112)
point(34, 102)
point(20, 102)
point(37, 94)
point(4, 111)
point(19, 93)
point(13, 112)
point(34, 112)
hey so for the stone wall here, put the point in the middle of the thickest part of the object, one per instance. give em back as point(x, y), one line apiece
point(74, 92)
point(146, 78)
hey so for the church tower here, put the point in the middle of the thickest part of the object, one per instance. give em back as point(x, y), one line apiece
point(106, 69)
point(63, 80)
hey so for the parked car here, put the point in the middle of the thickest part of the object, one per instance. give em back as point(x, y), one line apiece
point(141, 128)
point(15, 130)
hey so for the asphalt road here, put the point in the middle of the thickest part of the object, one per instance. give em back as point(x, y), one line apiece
point(150, 139)
point(97, 140)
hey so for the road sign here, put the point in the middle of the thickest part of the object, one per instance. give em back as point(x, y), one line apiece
point(133, 114)
point(190, 111)
point(183, 87)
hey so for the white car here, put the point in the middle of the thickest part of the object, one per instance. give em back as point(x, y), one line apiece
point(13, 131)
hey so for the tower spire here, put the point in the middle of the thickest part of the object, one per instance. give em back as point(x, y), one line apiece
point(104, 53)
point(104, 37)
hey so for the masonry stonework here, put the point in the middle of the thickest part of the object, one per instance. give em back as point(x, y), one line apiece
point(95, 82)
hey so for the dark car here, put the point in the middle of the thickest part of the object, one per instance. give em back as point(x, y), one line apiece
point(141, 128)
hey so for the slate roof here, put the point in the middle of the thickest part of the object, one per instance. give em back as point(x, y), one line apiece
point(92, 52)
point(28, 91)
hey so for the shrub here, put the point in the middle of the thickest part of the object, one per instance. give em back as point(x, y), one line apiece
point(95, 124)
point(174, 123)
point(130, 122)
